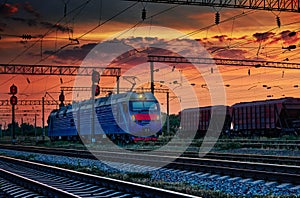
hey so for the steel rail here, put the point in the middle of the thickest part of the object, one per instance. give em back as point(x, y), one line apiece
point(119, 185)
point(35, 186)
point(281, 173)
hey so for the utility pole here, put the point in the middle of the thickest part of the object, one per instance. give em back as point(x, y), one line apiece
point(35, 127)
point(118, 84)
point(13, 125)
point(93, 116)
point(168, 116)
point(43, 117)
point(22, 129)
point(95, 89)
point(13, 101)
point(152, 76)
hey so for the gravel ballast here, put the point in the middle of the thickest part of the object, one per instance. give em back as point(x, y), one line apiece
point(244, 187)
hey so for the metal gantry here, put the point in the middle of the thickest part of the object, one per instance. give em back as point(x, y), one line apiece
point(32, 102)
point(106, 89)
point(272, 5)
point(222, 61)
point(58, 70)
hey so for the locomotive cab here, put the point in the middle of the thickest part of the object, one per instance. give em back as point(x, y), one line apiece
point(145, 117)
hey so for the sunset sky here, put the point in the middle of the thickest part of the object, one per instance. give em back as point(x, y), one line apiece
point(65, 31)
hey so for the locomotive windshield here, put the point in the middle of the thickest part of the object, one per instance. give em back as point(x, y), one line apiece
point(143, 106)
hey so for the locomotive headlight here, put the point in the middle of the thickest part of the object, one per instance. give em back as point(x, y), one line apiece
point(157, 117)
point(141, 96)
point(133, 118)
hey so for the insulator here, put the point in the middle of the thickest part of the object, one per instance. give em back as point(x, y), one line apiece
point(278, 21)
point(143, 14)
point(211, 70)
point(249, 72)
point(26, 36)
point(217, 18)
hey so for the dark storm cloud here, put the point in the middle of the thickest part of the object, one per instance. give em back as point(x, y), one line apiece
point(231, 53)
point(135, 57)
point(2, 26)
point(215, 49)
point(45, 24)
point(221, 38)
point(289, 37)
point(56, 26)
point(237, 39)
point(7, 9)
point(76, 53)
point(134, 48)
point(262, 37)
point(28, 8)
point(29, 22)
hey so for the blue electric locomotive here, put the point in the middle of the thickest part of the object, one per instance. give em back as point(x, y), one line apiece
point(126, 117)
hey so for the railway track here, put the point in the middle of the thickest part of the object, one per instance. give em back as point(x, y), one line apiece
point(270, 159)
point(270, 172)
point(39, 180)
point(246, 143)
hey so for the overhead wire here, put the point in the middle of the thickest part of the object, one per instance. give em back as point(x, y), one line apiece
point(89, 31)
point(47, 32)
point(96, 28)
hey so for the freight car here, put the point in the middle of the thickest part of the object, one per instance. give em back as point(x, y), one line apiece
point(199, 118)
point(269, 118)
point(126, 117)
point(274, 117)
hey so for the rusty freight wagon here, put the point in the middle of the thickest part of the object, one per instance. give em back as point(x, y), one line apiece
point(199, 119)
point(269, 117)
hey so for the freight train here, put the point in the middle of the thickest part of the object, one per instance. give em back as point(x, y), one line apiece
point(124, 118)
point(274, 117)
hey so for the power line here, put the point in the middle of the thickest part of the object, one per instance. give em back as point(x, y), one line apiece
point(111, 18)
point(47, 32)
